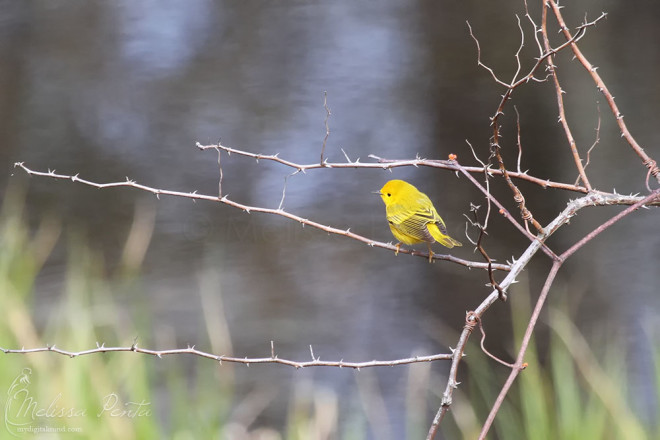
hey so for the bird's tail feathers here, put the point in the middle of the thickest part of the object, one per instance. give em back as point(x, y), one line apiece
point(443, 239)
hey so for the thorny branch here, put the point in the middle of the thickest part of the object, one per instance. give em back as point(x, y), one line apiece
point(564, 217)
point(560, 103)
point(452, 383)
point(652, 198)
point(592, 199)
point(649, 163)
point(387, 164)
point(519, 365)
point(273, 359)
point(482, 251)
point(248, 209)
point(496, 153)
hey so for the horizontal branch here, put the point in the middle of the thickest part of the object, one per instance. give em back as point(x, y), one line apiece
point(225, 200)
point(273, 359)
point(386, 164)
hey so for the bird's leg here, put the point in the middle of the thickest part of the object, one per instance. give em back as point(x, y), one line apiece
point(430, 253)
point(398, 245)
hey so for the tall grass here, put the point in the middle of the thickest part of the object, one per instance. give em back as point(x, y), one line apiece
point(61, 397)
point(118, 395)
point(574, 391)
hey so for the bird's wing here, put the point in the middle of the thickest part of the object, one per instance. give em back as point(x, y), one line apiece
point(433, 215)
point(411, 222)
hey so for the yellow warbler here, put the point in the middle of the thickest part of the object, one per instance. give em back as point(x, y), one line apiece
point(412, 217)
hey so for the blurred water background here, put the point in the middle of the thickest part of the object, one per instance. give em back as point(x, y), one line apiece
point(121, 89)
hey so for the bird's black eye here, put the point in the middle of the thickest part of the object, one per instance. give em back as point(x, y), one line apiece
point(389, 195)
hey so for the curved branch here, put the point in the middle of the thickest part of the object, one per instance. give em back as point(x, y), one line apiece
point(225, 200)
point(519, 365)
point(649, 163)
point(593, 199)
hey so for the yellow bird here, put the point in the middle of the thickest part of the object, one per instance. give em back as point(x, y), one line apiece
point(412, 217)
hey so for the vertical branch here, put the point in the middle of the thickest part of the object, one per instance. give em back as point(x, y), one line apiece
point(525, 213)
point(596, 142)
point(471, 320)
point(517, 56)
point(560, 103)
point(327, 127)
point(518, 366)
point(286, 178)
point(220, 168)
point(495, 148)
point(519, 141)
point(487, 183)
point(649, 163)
point(480, 248)
point(535, 27)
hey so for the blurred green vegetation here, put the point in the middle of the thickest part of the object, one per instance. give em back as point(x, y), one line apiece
point(569, 391)
point(118, 395)
point(581, 394)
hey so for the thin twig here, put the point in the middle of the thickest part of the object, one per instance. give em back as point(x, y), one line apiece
point(483, 346)
point(480, 248)
point(503, 211)
point(596, 142)
point(286, 178)
point(518, 140)
point(486, 172)
point(327, 127)
point(518, 197)
point(534, 28)
point(220, 170)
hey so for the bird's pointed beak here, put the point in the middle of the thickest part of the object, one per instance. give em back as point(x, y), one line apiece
point(377, 192)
